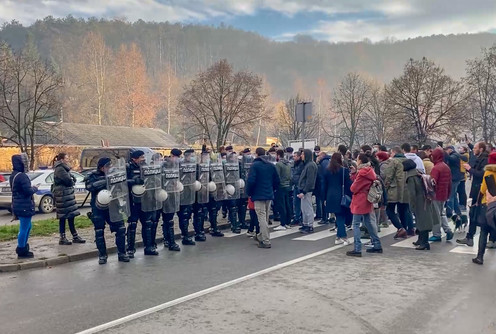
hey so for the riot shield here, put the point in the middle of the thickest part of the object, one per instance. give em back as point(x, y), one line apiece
point(170, 183)
point(231, 175)
point(246, 162)
point(152, 176)
point(202, 196)
point(187, 173)
point(119, 209)
point(217, 177)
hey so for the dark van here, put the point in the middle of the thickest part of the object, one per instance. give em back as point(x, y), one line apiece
point(90, 156)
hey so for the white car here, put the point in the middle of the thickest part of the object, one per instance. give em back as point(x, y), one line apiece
point(43, 198)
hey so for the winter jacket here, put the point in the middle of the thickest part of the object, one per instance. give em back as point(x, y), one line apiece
point(454, 161)
point(284, 172)
point(333, 189)
point(441, 174)
point(22, 191)
point(418, 162)
point(477, 173)
point(95, 182)
point(63, 192)
point(360, 189)
point(428, 165)
point(491, 215)
point(262, 180)
point(321, 170)
point(308, 176)
point(133, 171)
point(296, 170)
point(394, 180)
point(462, 169)
point(489, 170)
point(382, 168)
point(420, 205)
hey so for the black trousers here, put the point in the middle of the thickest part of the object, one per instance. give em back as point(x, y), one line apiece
point(283, 206)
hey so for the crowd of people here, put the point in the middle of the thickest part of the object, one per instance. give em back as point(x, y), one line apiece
point(416, 190)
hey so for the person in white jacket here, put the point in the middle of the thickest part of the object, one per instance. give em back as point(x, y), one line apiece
point(406, 148)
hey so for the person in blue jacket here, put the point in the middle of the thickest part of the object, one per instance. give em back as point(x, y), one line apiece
point(22, 202)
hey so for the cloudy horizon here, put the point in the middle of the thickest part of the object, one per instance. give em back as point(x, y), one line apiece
point(333, 21)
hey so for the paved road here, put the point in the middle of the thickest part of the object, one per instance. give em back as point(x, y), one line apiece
point(6, 217)
point(401, 291)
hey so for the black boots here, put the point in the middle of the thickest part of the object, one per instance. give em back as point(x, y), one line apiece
point(198, 224)
point(183, 225)
point(423, 241)
point(100, 245)
point(154, 235)
point(242, 217)
point(63, 240)
point(214, 231)
point(120, 242)
point(24, 253)
point(169, 238)
point(131, 238)
point(147, 239)
point(233, 220)
point(76, 239)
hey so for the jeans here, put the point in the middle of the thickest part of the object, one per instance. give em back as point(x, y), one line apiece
point(297, 206)
point(452, 206)
point(262, 208)
point(371, 227)
point(462, 195)
point(340, 223)
point(440, 219)
point(405, 219)
point(282, 205)
point(307, 210)
point(24, 229)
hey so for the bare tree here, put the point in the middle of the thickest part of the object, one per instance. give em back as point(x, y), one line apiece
point(350, 102)
point(379, 120)
point(223, 102)
point(28, 97)
point(481, 83)
point(426, 99)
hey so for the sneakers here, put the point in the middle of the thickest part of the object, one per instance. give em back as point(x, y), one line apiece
point(263, 245)
point(123, 257)
point(368, 244)
point(280, 228)
point(339, 241)
point(333, 228)
point(250, 234)
point(306, 230)
point(449, 235)
point(478, 260)
point(374, 250)
point(354, 253)
point(435, 239)
point(465, 241)
point(76, 239)
point(491, 244)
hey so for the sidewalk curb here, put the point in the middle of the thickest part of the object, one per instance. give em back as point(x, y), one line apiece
point(61, 259)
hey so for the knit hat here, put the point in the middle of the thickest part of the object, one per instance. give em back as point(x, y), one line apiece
point(246, 150)
point(289, 149)
point(189, 151)
point(176, 152)
point(136, 154)
point(102, 162)
point(492, 159)
point(229, 148)
point(382, 156)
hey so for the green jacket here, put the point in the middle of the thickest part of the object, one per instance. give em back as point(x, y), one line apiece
point(283, 168)
point(420, 205)
point(395, 180)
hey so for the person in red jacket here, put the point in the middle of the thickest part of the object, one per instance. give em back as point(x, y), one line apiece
point(361, 208)
point(441, 174)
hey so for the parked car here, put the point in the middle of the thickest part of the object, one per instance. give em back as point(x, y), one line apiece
point(4, 176)
point(43, 198)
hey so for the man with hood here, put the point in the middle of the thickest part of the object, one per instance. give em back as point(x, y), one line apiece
point(22, 202)
point(407, 151)
point(306, 186)
point(441, 175)
point(262, 182)
point(476, 171)
point(281, 200)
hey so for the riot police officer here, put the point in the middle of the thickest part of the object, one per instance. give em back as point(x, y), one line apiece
point(200, 208)
point(242, 203)
point(231, 176)
point(217, 194)
point(171, 184)
point(109, 204)
point(187, 172)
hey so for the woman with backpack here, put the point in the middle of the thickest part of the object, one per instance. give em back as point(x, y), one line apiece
point(420, 204)
point(361, 208)
point(65, 199)
point(336, 186)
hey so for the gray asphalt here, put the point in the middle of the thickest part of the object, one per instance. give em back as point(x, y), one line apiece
point(401, 291)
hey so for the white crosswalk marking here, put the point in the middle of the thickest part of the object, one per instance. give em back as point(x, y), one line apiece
point(464, 249)
point(273, 234)
point(316, 236)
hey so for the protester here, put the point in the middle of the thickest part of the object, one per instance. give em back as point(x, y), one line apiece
point(254, 227)
point(281, 201)
point(65, 199)
point(306, 185)
point(476, 171)
point(320, 198)
point(486, 229)
point(426, 160)
point(407, 151)
point(262, 183)
point(461, 191)
point(336, 185)
point(441, 174)
point(454, 160)
point(361, 208)
point(22, 202)
point(295, 179)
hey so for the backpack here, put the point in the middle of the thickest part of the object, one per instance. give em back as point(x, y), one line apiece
point(429, 186)
point(375, 192)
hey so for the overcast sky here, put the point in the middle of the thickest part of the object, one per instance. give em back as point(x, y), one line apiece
point(332, 20)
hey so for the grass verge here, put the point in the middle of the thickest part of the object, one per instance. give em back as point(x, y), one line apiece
point(39, 228)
